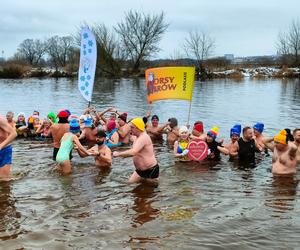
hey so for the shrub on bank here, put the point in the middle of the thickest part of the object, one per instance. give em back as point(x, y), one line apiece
point(13, 70)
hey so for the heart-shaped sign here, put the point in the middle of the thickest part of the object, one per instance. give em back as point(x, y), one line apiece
point(198, 150)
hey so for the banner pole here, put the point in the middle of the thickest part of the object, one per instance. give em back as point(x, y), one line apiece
point(189, 114)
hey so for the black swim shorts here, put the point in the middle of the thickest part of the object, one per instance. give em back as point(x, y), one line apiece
point(151, 173)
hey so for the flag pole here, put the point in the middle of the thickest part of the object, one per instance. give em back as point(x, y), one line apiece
point(189, 113)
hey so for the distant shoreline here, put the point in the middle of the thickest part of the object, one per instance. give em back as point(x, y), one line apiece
point(229, 73)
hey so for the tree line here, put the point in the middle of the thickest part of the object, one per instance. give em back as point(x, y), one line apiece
point(122, 50)
point(125, 49)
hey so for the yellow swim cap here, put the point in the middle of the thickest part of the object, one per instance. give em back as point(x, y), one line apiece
point(281, 137)
point(138, 123)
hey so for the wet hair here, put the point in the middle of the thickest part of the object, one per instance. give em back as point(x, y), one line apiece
point(289, 135)
point(101, 133)
point(295, 131)
point(245, 129)
point(145, 120)
point(63, 120)
point(10, 113)
point(154, 117)
point(173, 122)
point(35, 111)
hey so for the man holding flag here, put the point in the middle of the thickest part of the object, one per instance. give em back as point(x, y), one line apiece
point(146, 167)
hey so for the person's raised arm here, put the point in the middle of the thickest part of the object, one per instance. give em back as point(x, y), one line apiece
point(80, 147)
point(137, 147)
point(223, 150)
point(268, 142)
point(293, 150)
point(40, 129)
point(124, 131)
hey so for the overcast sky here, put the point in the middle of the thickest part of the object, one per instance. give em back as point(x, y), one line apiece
point(240, 27)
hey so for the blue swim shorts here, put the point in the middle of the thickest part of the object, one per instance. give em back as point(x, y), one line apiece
point(5, 156)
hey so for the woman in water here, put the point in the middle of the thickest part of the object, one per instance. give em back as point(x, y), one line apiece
point(180, 146)
point(67, 144)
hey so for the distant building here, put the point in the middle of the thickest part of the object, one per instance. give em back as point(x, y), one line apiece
point(229, 57)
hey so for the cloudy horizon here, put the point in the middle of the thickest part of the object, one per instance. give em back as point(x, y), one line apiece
point(238, 27)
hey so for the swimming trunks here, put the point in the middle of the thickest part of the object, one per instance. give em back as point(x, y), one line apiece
point(5, 156)
point(150, 173)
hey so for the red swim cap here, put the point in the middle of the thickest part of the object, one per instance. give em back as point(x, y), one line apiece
point(198, 126)
point(63, 114)
point(111, 125)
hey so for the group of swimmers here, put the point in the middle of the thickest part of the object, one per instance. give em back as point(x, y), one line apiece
point(101, 135)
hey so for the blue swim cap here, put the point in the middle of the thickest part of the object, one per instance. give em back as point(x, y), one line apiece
point(238, 127)
point(68, 111)
point(234, 131)
point(259, 127)
point(88, 122)
point(74, 126)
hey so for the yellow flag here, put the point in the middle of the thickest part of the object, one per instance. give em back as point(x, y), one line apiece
point(170, 83)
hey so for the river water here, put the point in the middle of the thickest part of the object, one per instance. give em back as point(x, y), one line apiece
point(196, 206)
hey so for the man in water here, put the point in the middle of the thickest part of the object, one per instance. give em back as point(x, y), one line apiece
point(232, 146)
point(296, 134)
point(7, 135)
point(101, 152)
point(155, 131)
point(284, 154)
point(172, 130)
point(10, 119)
point(58, 130)
point(246, 148)
point(89, 132)
point(123, 129)
point(258, 128)
point(146, 167)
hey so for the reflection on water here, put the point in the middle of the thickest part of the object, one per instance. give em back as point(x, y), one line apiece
point(282, 195)
point(143, 197)
point(9, 216)
point(207, 205)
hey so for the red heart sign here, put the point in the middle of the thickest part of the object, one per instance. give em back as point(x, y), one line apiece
point(198, 150)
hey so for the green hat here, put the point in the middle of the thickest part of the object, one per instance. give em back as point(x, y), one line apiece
point(53, 117)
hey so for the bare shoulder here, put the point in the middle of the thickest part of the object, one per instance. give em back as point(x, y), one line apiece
point(5, 126)
point(108, 150)
point(3, 120)
point(292, 146)
point(144, 138)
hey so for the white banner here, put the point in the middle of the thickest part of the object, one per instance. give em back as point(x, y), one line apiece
point(87, 67)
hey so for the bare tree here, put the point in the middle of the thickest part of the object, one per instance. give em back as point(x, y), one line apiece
point(140, 35)
point(60, 50)
point(32, 51)
point(282, 45)
point(288, 43)
point(110, 54)
point(200, 46)
point(294, 40)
